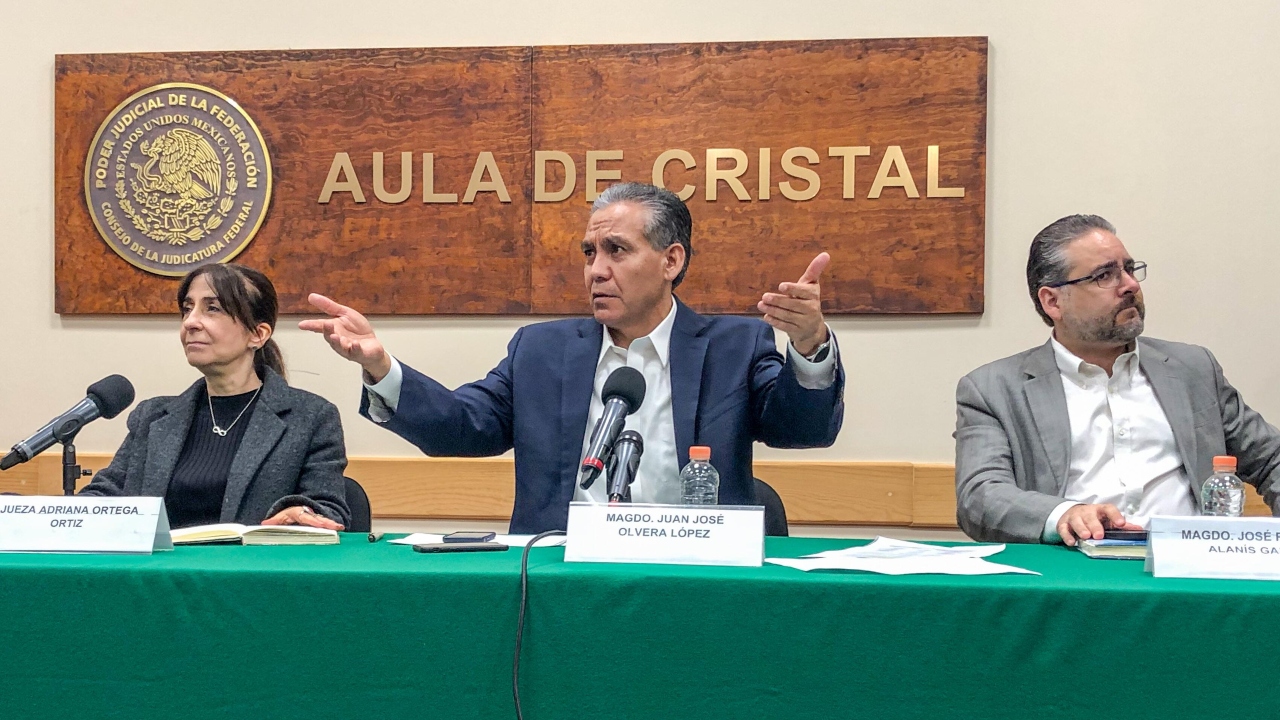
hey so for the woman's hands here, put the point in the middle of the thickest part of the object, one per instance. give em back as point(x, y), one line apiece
point(301, 515)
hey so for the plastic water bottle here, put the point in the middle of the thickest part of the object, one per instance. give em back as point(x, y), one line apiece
point(1223, 492)
point(700, 483)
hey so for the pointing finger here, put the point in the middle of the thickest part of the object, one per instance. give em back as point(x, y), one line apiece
point(815, 268)
point(327, 306)
point(797, 290)
point(785, 302)
point(316, 326)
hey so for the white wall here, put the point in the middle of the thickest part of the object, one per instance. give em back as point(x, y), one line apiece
point(1160, 116)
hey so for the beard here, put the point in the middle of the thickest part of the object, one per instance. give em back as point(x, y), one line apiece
point(1107, 329)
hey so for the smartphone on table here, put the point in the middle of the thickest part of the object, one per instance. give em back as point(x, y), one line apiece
point(448, 547)
point(470, 536)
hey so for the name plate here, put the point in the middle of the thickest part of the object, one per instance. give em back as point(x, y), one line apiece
point(666, 534)
point(1214, 547)
point(83, 524)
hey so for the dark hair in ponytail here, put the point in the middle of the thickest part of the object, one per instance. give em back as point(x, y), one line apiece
point(248, 296)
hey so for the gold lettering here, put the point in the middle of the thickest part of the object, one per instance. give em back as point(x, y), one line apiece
point(540, 160)
point(429, 194)
point(240, 221)
point(730, 176)
point(406, 179)
point(848, 153)
point(893, 160)
point(932, 188)
point(799, 172)
point(486, 163)
point(765, 181)
point(595, 174)
point(341, 166)
point(660, 170)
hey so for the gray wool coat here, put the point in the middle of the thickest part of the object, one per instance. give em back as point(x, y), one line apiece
point(292, 454)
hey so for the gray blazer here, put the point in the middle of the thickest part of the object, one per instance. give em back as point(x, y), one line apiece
point(1013, 436)
point(292, 454)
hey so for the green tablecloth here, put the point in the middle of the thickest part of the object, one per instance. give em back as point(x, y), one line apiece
point(378, 631)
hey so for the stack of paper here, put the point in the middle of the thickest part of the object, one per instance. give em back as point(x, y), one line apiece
point(900, 557)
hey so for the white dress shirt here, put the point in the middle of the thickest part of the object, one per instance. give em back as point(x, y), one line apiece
point(1122, 447)
point(658, 477)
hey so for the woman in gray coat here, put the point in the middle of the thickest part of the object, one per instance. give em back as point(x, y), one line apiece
point(239, 445)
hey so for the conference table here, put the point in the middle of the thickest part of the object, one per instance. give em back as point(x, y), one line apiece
point(361, 630)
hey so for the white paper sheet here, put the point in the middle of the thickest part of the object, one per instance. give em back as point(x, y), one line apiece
point(508, 540)
point(889, 548)
point(888, 556)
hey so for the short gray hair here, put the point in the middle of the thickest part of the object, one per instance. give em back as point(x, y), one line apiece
point(669, 220)
point(1047, 263)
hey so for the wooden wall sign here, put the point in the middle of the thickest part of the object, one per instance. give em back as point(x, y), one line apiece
point(459, 180)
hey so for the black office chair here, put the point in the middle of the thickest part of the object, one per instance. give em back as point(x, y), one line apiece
point(358, 502)
point(775, 513)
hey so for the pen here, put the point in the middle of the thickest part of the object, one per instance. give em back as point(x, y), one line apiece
point(375, 537)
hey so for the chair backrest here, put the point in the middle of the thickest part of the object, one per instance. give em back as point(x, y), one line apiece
point(358, 502)
point(775, 514)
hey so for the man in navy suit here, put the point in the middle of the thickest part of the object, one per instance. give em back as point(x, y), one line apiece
point(715, 381)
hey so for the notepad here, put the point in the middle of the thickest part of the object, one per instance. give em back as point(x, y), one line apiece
point(235, 533)
point(1111, 549)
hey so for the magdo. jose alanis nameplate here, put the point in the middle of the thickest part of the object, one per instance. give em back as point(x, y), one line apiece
point(1214, 547)
point(666, 534)
point(84, 524)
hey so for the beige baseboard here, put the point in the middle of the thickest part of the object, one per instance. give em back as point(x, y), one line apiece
point(897, 494)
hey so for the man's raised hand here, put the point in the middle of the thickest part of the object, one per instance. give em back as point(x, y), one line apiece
point(350, 335)
point(796, 308)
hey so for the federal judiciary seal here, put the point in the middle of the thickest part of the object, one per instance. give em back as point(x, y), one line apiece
point(177, 176)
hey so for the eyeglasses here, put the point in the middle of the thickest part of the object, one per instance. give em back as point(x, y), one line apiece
point(1109, 277)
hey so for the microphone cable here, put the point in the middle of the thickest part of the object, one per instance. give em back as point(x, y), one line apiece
point(524, 602)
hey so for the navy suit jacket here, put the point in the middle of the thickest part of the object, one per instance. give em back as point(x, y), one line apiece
point(729, 387)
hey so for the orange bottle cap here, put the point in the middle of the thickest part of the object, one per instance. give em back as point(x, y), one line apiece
point(700, 452)
point(1224, 461)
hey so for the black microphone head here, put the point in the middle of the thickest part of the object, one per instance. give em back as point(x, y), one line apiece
point(633, 437)
point(112, 394)
point(627, 384)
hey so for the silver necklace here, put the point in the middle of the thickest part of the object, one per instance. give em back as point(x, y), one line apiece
point(219, 431)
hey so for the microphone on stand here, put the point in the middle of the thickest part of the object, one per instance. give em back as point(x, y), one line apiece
point(623, 392)
point(106, 398)
point(624, 465)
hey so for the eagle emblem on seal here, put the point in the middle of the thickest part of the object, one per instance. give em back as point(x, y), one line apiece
point(176, 188)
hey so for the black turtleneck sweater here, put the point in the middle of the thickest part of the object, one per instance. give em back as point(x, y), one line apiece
point(199, 479)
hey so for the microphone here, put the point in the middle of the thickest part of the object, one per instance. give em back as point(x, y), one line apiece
point(624, 464)
point(623, 392)
point(106, 398)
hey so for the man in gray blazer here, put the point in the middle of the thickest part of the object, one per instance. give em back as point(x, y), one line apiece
point(1097, 428)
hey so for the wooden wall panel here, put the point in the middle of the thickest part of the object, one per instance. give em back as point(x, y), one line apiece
point(481, 488)
point(893, 254)
point(409, 257)
point(22, 480)
point(814, 493)
point(935, 495)
point(836, 493)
